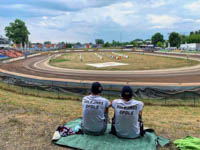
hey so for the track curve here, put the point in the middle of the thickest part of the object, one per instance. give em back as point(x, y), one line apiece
point(38, 66)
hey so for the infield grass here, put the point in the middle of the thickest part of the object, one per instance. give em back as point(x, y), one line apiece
point(135, 61)
point(28, 122)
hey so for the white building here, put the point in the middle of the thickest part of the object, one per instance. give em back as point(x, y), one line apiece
point(191, 46)
point(4, 42)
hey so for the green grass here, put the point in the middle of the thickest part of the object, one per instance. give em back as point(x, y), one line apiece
point(58, 60)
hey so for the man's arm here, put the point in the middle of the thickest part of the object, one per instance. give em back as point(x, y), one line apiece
point(140, 112)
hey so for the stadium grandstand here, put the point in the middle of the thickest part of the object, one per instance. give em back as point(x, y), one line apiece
point(12, 53)
point(6, 51)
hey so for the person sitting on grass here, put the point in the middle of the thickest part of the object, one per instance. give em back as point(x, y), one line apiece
point(127, 115)
point(95, 111)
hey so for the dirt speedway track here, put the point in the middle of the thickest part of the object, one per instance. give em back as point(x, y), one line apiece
point(38, 66)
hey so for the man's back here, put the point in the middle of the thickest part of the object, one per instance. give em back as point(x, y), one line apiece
point(93, 108)
point(126, 117)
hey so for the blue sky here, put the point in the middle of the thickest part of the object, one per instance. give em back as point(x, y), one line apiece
point(86, 20)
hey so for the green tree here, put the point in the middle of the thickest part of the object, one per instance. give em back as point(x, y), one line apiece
point(69, 45)
point(174, 39)
point(193, 38)
point(134, 43)
point(183, 38)
point(157, 38)
point(159, 44)
point(17, 32)
point(99, 41)
point(107, 44)
point(47, 42)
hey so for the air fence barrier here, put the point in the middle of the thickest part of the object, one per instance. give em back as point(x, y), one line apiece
point(172, 95)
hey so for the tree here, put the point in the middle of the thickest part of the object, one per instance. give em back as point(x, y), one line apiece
point(107, 44)
point(47, 42)
point(174, 39)
point(183, 38)
point(17, 32)
point(193, 38)
point(159, 44)
point(191, 33)
point(69, 45)
point(99, 41)
point(157, 38)
point(134, 43)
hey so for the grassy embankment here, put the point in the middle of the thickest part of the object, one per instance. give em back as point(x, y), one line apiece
point(28, 122)
point(135, 61)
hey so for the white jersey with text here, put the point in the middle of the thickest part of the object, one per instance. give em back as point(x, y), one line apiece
point(93, 108)
point(126, 117)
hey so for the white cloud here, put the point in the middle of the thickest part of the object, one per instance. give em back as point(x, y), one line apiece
point(3, 23)
point(162, 21)
point(82, 25)
point(157, 3)
point(194, 7)
point(122, 14)
point(197, 21)
point(14, 6)
point(85, 20)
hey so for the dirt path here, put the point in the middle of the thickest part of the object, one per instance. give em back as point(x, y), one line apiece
point(38, 66)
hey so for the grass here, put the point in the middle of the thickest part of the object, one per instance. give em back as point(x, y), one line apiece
point(39, 93)
point(28, 122)
point(135, 61)
point(58, 60)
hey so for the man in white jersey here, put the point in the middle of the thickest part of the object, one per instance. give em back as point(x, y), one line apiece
point(95, 111)
point(127, 111)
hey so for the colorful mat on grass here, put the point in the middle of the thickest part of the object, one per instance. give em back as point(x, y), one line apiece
point(110, 142)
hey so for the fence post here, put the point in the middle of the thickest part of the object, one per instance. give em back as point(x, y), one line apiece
point(22, 90)
point(58, 93)
point(8, 85)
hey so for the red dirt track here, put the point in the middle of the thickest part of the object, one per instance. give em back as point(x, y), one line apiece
point(27, 67)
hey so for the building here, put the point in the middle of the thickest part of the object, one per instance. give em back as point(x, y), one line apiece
point(148, 41)
point(129, 46)
point(77, 46)
point(147, 46)
point(191, 46)
point(4, 42)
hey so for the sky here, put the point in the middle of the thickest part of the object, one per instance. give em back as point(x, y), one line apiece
point(87, 20)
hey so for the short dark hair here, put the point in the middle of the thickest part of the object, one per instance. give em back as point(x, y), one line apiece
point(96, 88)
point(127, 92)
